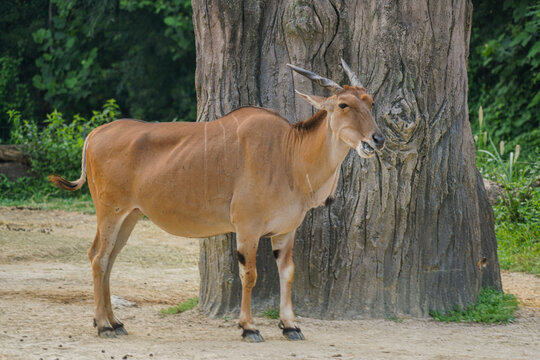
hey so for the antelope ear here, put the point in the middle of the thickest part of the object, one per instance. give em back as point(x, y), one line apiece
point(318, 101)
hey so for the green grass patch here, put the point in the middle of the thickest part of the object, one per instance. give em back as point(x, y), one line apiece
point(271, 313)
point(519, 247)
point(394, 318)
point(81, 203)
point(180, 308)
point(519, 241)
point(492, 307)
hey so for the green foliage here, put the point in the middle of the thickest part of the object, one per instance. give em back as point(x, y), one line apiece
point(504, 72)
point(271, 313)
point(68, 73)
point(492, 307)
point(73, 55)
point(506, 169)
point(140, 52)
point(13, 93)
point(18, 19)
point(55, 148)
point(18, 190)
point(180, 308)
point(529, 142)
point(517, 216)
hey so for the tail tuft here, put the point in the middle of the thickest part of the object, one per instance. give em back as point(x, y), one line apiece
point(66, 184)
point(72, 185)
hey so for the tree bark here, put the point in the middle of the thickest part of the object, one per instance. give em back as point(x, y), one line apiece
point(411, 229)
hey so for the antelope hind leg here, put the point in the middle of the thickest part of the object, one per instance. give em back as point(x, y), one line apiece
point(123, 234)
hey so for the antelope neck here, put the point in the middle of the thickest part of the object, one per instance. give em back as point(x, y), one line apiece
point(318, 153)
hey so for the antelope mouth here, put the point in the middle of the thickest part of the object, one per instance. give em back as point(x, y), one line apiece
point(365, 150)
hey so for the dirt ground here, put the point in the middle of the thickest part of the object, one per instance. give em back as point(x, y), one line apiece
point(46, 306)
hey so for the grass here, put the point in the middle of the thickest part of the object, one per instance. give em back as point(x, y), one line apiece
point(81, 203)
point(394, 318)
point(271, 313)
point(492, 307)
point(38, 193)
point(519, 246)
point(518, 241)
point(180, 308)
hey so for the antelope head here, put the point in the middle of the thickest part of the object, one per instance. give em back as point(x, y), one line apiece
point(349, 111)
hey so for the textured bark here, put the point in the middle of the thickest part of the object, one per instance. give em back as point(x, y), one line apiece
point(409, 229)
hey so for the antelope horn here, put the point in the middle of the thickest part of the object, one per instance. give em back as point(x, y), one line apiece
point(352, 76)
point(327, 83)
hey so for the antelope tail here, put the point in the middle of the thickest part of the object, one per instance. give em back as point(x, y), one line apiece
point(72, 185)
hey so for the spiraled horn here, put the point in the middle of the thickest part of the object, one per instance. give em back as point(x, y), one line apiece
point(327, 83)
point(352, 76)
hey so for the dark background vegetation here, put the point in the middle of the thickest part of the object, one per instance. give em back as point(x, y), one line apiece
point(72, 56)
point(60, 60)
point(504, 71)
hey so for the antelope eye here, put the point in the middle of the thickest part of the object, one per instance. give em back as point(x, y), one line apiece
point(343, 105)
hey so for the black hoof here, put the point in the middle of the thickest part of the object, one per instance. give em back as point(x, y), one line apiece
point(119, 329)
point(253, 336)
point(293, 334)
point(106, 332)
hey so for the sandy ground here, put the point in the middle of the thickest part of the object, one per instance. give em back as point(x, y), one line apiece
point(46, 307)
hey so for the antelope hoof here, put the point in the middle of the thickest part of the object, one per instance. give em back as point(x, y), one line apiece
point(293, 334)
point(253, 336)
point(106, 333)
point(119, 329)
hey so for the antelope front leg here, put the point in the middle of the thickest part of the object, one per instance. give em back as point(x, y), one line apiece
point(247, 251)
point(282, 247)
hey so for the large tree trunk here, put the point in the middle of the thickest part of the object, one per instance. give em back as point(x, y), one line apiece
point(410, 228)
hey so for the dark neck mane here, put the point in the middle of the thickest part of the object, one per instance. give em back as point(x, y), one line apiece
point(312, 122)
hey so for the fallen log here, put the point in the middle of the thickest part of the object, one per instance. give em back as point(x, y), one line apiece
point(13, 153)
point(14, 162)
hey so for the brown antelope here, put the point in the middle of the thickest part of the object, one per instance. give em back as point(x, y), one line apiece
point(249, 172)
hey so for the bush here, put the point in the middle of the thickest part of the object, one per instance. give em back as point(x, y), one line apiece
point(54, 149)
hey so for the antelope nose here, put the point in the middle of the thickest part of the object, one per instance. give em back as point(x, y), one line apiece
point(378, 140)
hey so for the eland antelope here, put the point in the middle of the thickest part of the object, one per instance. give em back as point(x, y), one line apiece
point(250, 172)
